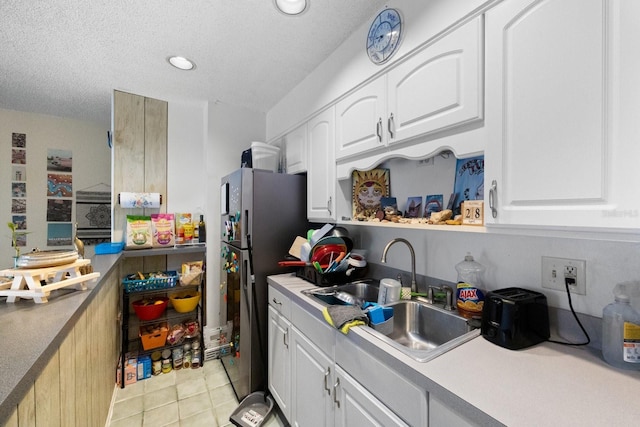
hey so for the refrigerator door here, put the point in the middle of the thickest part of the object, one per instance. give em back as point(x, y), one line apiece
point(238, 309)
point(236, 193)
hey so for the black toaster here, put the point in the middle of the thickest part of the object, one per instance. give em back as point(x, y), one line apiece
point(515, 318)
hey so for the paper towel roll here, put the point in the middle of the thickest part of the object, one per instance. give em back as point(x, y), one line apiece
point(139, 200)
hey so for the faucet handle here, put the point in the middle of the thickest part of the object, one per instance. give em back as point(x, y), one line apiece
point(448, 305)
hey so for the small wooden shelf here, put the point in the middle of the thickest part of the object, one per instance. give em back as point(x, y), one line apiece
point(176, 250)
point(426, 227)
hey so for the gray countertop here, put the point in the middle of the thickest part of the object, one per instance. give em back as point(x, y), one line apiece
point(547, 384)
point(31, 333)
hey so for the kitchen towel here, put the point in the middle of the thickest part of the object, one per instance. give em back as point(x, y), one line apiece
point(139, 200)
point(344, 317)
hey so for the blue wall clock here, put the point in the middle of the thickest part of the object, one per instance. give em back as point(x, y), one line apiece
point(385, 34)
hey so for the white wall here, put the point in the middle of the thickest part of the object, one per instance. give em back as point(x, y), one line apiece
point(512, 257)
point(91, 167)
point(205, 142)
point(349, 65)
point(230, 132)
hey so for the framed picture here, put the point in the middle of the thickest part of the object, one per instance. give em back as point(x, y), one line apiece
point(389, 202)
point(414, 207)
point(369, 187)
point(433, 203)
point(469, 182)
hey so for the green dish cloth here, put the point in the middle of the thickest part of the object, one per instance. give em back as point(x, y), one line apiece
point(344, 317)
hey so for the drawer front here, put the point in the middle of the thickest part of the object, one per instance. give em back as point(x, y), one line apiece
point(404, 398)
point(280, 302)
point(316, 330)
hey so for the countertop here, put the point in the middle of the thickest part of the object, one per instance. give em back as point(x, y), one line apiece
point(31, 333)
point(547, 384)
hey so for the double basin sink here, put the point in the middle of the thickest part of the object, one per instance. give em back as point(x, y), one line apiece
point(421, 331)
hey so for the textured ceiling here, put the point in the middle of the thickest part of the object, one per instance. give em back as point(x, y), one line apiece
point(65, 57)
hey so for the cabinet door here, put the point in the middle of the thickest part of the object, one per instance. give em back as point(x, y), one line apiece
point(550, 86)
point(359, 120)
point(356, 406)
point(321, 181)
point(279, 361)
point(311, 384)
point(438, 88)
point(440, 415)
point(295, 146)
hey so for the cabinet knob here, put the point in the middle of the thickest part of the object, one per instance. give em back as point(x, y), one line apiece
point(329, 205)
point(335, 392)
point(379, 129)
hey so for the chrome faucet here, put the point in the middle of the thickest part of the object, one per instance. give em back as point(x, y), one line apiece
point(414, 287)
point(448, 304)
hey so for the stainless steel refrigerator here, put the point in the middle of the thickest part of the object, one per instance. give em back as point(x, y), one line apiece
point(261, 214)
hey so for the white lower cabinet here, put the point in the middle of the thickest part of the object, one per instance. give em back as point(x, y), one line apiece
point(308, 385)
point(440, 415)
point(355, 406)
point(311, 384)
point(279, 366)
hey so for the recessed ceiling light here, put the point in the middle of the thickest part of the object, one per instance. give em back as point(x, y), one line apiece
point(291, 7)
point(181, 62)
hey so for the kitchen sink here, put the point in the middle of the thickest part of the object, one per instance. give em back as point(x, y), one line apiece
point(363, 290)
point(424, 331)
point(421, 331)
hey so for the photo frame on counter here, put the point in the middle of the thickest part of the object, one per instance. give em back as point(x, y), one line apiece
point(414, 207)
point(369, 187)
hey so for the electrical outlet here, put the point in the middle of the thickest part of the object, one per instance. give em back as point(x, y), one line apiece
point(555, 271)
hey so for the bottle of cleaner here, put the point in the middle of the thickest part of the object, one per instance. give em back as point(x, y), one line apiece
point(469, 293)
point(621, 329)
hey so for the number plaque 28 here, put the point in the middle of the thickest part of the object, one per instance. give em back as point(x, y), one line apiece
point(473, 212)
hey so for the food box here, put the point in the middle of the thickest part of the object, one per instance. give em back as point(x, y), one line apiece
point(154, 336)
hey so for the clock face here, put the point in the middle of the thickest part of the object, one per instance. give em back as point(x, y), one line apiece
point(384, 36)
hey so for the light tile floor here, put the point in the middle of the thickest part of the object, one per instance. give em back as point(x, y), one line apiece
point(183, 398)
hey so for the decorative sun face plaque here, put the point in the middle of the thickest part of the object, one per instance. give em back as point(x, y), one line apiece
point(369, 187)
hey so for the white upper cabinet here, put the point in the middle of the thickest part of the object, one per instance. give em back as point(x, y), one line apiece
point(321, 178)
point(561, 151)
point(406, 111)
point(359, 120)
point(439, 88)
point(295, 146)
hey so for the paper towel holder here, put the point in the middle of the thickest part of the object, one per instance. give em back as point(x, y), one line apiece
point(119, 198)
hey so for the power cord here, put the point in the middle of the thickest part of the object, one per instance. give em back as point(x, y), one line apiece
point(567, 280)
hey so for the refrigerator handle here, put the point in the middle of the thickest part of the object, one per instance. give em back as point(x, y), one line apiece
point(246, 222)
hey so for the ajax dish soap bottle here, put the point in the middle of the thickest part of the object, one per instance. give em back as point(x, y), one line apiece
point(621, 328)
point(469, 294)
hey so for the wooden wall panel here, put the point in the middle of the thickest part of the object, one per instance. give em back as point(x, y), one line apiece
point(68, 372)
point(140, 161)
point(76, 386)
point(155, 148)
point(128, 152)
point(27, 409)
point(81, 357)
point(47, 393)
